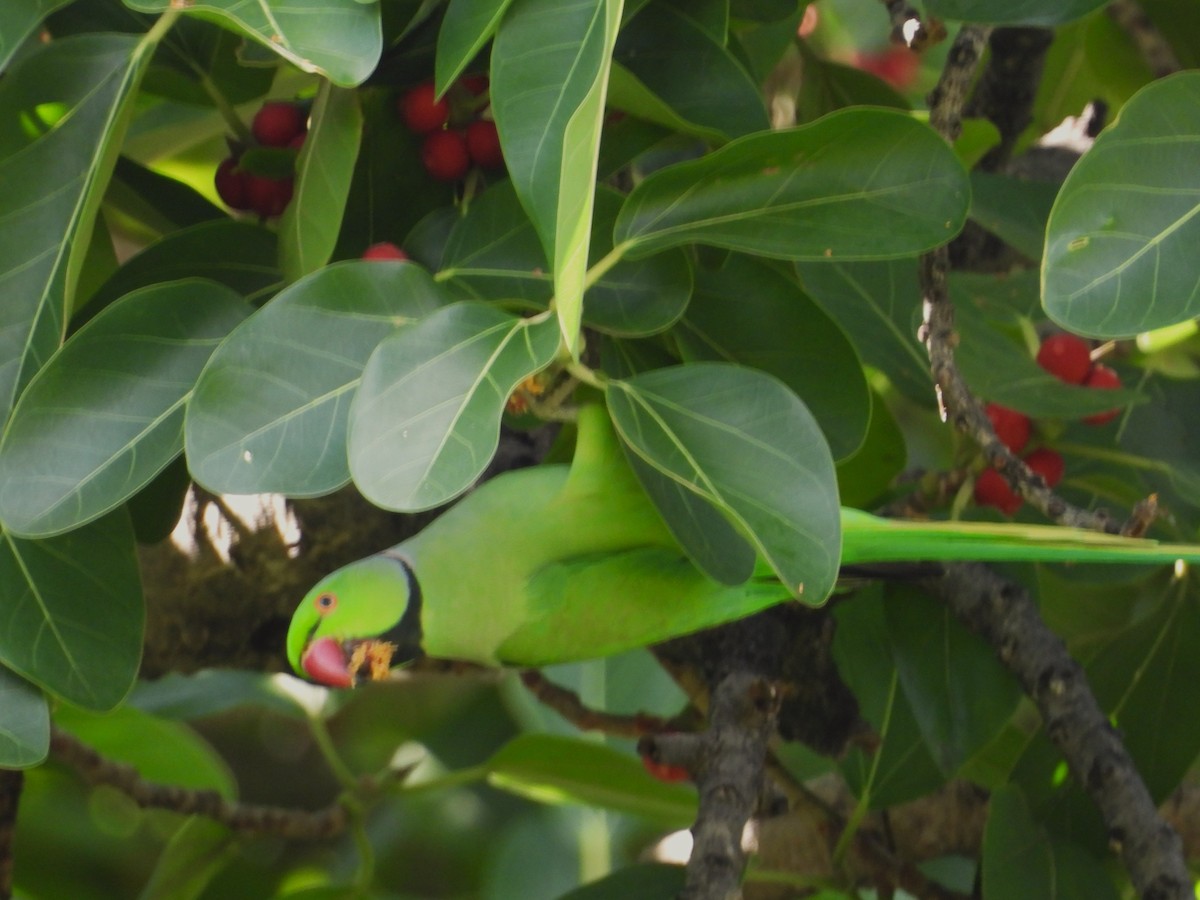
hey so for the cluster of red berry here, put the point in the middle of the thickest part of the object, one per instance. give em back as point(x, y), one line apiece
point(277, 125)
point(1069, 359)
point(455, 134)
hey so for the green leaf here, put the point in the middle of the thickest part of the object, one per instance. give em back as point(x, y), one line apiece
point(310, 224)
point(1164, 430)
point(105, 414)
point(340, 39)
point(493, 254)
point(552, 769)
point(73, 612)
point(54, 173)
point(857, 184)
point(195, 854)
point(156, 201)
point(961, 694)
point(1144, 681)
point(550, 65)
point(18, 21)
point(1120, 243)
point(1013, 210)
point(829, 86)
point(161, 750)
point(24, 723)
point(1021, 861)
point(269, 410)
point(803, 347)
point(741, 441)
point(901, 769)
point(688, 68)
point(426, 420)
point(466, 27)
point(878, 306)
point(1018, 12)
point(641, 881)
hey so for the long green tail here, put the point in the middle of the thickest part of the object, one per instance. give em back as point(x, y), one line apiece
point(867, 538)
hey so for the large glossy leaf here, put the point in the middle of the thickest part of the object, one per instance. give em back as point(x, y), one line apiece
point(309, 227)
point(740, 440)
point(641, 881)
point(53, 178)
point(199, 850)
point(1121, 240)
point(802, 346)
point(269, 411)
point(340, 39)
point(550, 63)
point(1020, 12)
point(493, 253)
point(73, 612)
point(690, 71)
point(24, 723)
point(960, 693)
point(426, 419)
point(554, 769)
point(857, 184)
point(105, 414)
point(466, 27)
point(18, 21)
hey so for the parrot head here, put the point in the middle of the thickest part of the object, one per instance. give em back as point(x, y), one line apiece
point(365, 618)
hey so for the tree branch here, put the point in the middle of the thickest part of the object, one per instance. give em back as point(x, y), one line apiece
point(1005, 616)
point(244, 817)
point(568, 704)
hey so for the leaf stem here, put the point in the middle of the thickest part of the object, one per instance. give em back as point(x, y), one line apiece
point(1114, 456)
point(600, 269)
point(324, 742)
point(588, 376)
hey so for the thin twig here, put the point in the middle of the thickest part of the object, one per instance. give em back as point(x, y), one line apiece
point(244, 817)
point(568, 704)
point(1151, 44)
point(1003, 613)
point(959, 406)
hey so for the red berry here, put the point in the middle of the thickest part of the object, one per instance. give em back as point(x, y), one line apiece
point(268, 196)
point(483, 143)
point(1066, 357)
point(384, 250)
point(422, 111)
point(231, 185)
point(1011, 427)
point(665, 771)
point(1046, 463)
point(445, 156)
point(276, 124)
point(297, 143)
point(1105, 379)
point(992, 490)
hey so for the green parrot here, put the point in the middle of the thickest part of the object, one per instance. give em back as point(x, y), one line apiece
point(559, 563)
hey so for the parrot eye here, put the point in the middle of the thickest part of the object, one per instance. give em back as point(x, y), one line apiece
point(325, 603)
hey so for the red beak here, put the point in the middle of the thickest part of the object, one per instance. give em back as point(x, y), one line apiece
point(325, 662)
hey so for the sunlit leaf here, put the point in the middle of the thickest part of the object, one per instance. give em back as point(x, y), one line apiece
point(105, 414)
point(269, 411)
point(426, 419)
point(550, 65)
point(1120, 243)
point(309, 226)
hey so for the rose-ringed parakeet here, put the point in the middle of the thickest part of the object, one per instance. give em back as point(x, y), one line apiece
point(558, 563)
